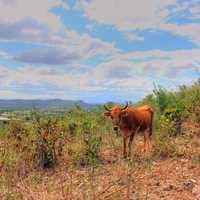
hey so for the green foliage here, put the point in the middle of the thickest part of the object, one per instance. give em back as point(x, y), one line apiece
point(27, 146)
point(89, 131)
point(18, 132)
point(165, 99)
point(19, 142)
point(78, 121)
point(191, 99)
point(48, 132)
point(90, 154)
point(170, 122)
point(162, 98)
point(166, 125)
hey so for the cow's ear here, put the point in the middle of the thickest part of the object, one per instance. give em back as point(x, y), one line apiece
point(106, 114)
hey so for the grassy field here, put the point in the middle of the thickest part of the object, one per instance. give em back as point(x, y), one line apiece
point(78, 155)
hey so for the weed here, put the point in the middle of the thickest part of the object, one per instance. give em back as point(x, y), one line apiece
point(48, 133)
point(91, 148)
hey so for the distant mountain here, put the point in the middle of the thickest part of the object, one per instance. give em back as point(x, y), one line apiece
point(22, 104)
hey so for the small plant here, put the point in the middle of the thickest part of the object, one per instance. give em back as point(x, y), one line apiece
point(170, 122)
point(165, 146)
point(72, 128)
point(91, 142)
point(90, 153)
point(19, 135)
point(48, 133)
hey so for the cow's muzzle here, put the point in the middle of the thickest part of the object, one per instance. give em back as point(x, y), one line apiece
point(115, 128)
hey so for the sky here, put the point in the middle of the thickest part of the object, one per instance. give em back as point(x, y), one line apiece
point(97, 50)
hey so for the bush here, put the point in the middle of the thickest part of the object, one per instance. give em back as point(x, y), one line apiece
point(25, 146)
point(166, 100)
point(47, 134)
point(90, 154)
point(15, 153)
point(72, 128)
point(91, 141)
point(19, 135)
point(165, 146)
point(170, 122)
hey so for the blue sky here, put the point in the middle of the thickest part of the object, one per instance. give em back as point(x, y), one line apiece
point(97, 50)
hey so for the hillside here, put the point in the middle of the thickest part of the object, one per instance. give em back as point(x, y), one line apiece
point(22, 104)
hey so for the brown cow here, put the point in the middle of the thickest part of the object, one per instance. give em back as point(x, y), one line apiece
point(131, 121)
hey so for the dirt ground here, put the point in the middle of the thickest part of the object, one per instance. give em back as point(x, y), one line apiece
point(142, 178)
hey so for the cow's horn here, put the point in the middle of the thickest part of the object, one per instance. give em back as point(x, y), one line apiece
point(126, 106)
point(107, 108)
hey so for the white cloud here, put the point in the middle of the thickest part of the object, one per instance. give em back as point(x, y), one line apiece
point(42, 75)
point(35, 76)
point(189, 31)
point(70, 48)
point(163, 63)
point(4, 55)
point(138, 70)
point(34, 22)
point(89, 27)
point(132, 36)
point(129, 74)
point(129, 14)
point(85, 43)
point(63, 48)
point(145, 15)
point(10, 94)
point(16, 10)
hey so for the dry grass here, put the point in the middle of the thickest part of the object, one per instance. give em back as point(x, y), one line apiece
point(145, 176)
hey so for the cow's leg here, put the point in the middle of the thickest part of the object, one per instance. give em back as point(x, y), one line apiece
point(150, 137)
point(149, 142)
point(130, 144)
point(145, 141)
point(124, 147)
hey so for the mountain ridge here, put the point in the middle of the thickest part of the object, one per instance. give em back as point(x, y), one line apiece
point(21, 104)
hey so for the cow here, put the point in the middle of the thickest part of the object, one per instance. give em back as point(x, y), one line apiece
point(131, 121)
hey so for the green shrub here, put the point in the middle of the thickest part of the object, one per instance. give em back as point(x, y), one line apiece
point(91, 140)
point(170, 122)
point(47, 134)
point(19, 136)
point(90, 154)
point(72, 128)
point(166, 100)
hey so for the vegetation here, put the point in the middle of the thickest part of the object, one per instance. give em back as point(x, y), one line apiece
point(81, 139)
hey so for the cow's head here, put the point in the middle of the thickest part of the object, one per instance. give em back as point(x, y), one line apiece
point(115, 114)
